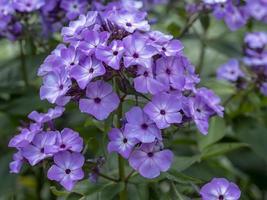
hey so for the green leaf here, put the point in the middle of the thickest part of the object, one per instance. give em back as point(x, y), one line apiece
point(221, 149)
point(216, 132)
point(59, 193)
point(181, 163)
point(181, 178)
point(205, 21)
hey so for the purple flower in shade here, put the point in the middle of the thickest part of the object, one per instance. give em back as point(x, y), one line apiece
point(137, 52)
point(139, 126)
point(6, 7)
point(121, 143)
point(214, 1)
point(55, 85)
point(145, 82)
point(67, 169)
point(41, 145)
point(69, 140)
point(100, 101)
point(28, 5)
point(235, 17)
point(263, 88)
point(149, 161)
point(211, 100)
point(164, 110)
point(70, 57)
point(230, 71)
point(170, 71)
point(92, 40)
point(157, 38)
point(17, 162)
point(74, 8)
point(200, 114)
point(257, 9)
point(171, 48)
point(256, 40)
point(111, 55)
point(73, 31)
point(25, 137)
point(220, 189)
point(46, 117)
point(131, 21)
point(88, 69)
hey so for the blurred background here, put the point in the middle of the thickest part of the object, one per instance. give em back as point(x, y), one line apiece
point(209, 44)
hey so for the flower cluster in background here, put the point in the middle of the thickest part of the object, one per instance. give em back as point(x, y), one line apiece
point(236, 14)
point(110, 55)
point(255, 61)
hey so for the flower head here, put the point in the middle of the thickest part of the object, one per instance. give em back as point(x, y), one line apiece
point(100, 100)
point(230, 71)
point(220, 189)
point(67, 169)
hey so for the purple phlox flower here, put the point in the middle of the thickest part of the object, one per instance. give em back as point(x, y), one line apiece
point(41, 144)
point(257, 9)
point(230, 71)
point(67, 169)
point(55, 85)
point(17, 162)
point(220, 10)
point(88, 69)
point(74, 7)
point(171, 48)
point(214, 1)
point(28, 5)
point(235, 17)
point(121, 143)
point(211, 100)
point(53, 61)
point(137, 52)
point(100, 101)
point(256, 40)
point(6, 7)
point(139, 126)
point(70, 57)
point(157, 37)
point(131, 21)
point(92, 40)
point(170, 71)
point(200, 113)
point(46, 117)
point(257, 60)
point(49, 6)
point(149, 161)
point(111, 55)
point(25, 137)
point(146, 83)
point(67, 140)
point(220, 189)
point(73, 31)
point(164, 110)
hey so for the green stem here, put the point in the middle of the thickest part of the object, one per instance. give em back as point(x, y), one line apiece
point(202, 54)
point(23, 64)
point(177, 193)
point(189, 23)
point(123, 193)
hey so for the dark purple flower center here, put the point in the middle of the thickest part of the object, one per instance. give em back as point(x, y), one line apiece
point(150, 154)
point(232, 72)
point(145, 74)
point(168, 71)
point(42, 150)
point(75, 6)
point(144, 126)
point(97, 100)
point(115, 53)
point(125, 140)
point(136, 55)
point(164, 49)
point(28, 4)
point(128, 24)
point(198, 110)
point(163, 112)
point(63, 146)
point(61, 87)
point(221, 197)
point(67, 171)
point(91, 71)
point(72, 63)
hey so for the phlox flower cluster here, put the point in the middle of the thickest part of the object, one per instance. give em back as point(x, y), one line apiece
point(235, 14)
point(114, 46)
point(255, 59)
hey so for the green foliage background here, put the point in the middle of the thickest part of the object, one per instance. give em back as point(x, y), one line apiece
point(235, 148)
